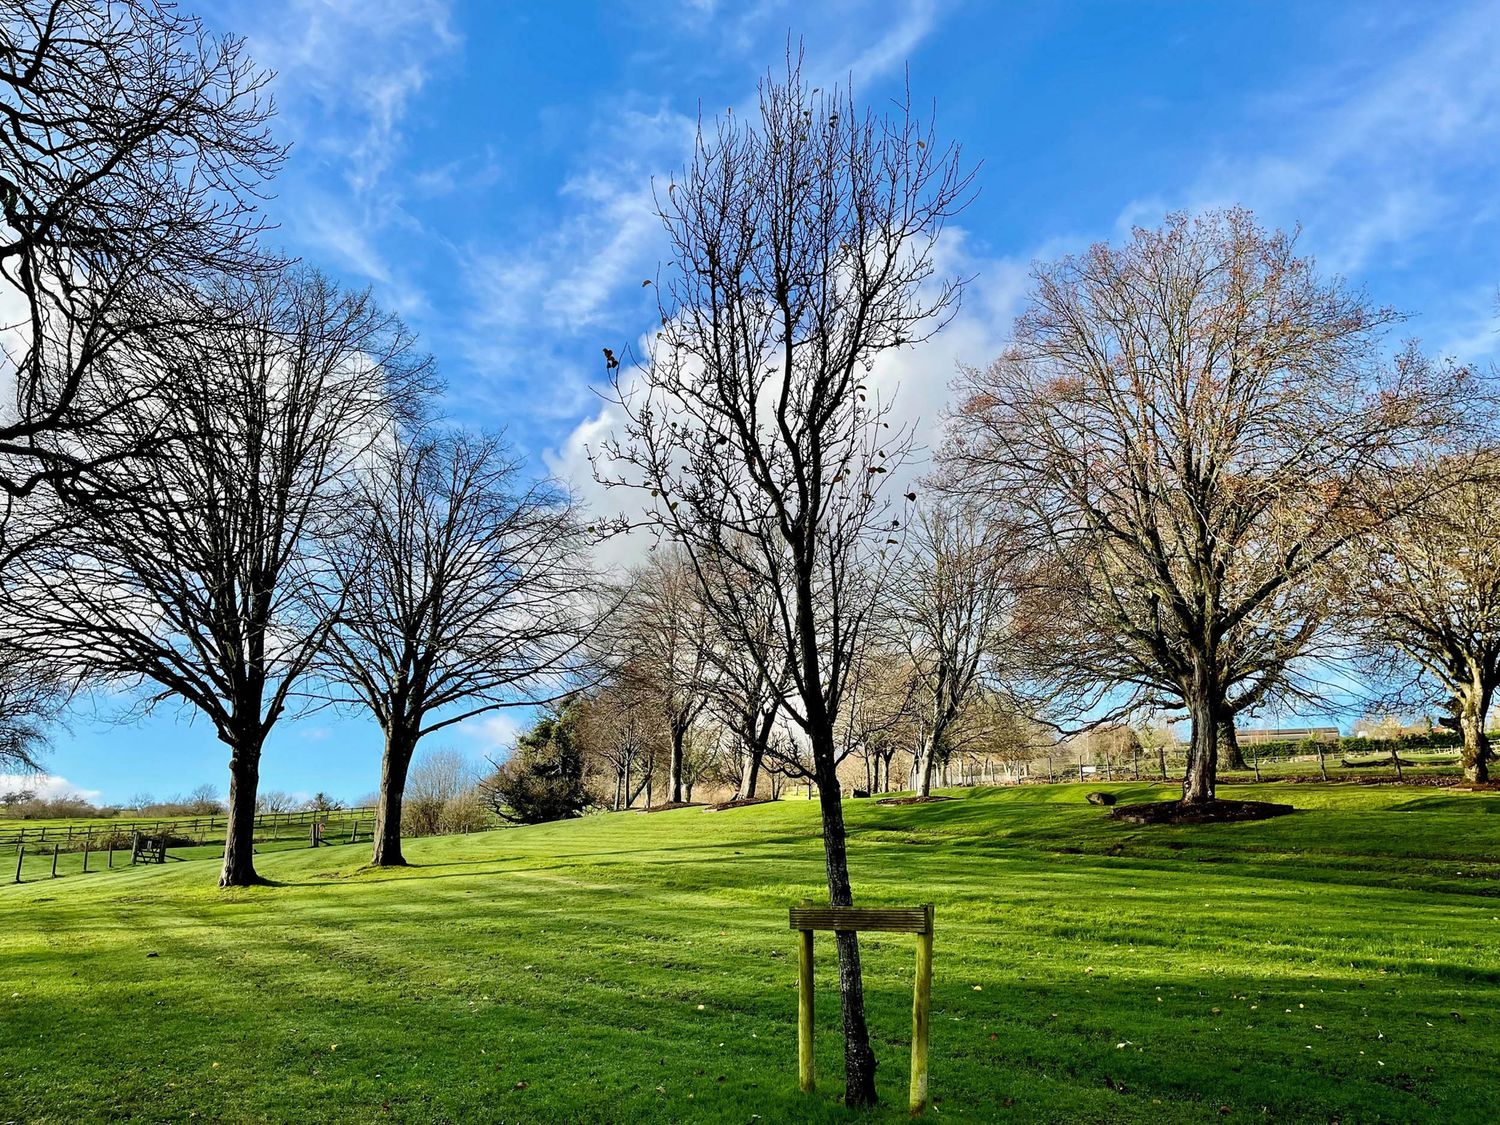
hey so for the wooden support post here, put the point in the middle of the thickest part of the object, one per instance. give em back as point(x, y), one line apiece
point(852, 919)
point(111, 852)
point(86, 842)
point(135, 845)
point(54, 859)
point(921, 1018)
point(20, 855)
point(806, 1070)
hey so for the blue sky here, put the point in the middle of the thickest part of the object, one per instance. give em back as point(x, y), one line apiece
point(486, 168)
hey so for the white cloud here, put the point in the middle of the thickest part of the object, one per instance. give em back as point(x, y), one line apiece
point(46, 786)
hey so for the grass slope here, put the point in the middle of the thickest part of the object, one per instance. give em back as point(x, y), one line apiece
point(1341, 963)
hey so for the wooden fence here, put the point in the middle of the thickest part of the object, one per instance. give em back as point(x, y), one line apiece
point(76, 836)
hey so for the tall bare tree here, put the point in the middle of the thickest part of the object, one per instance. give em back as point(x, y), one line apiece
point(802, 240)
point(459, 591)
point(202, 578)
point(1427, 586)
point(953, 611)
point(1195, 420)
point(745, 691)
point(132, 149)
point(663, 625)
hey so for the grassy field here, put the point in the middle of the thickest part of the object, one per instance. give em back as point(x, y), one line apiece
point(1342, 963)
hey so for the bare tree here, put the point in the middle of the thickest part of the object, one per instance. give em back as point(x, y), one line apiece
point(1194, 421)
point(802, 249)
point(664, 626)
point(203, 577)
point(436, 780)
point(619, 731)
point(459, 592)
point(32, 693)
point(953, 612)
point(1427, 584)
point(746, 687)
point(132, 149)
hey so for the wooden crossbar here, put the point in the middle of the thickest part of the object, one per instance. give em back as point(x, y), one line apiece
point(891, 920)
point(897, 919)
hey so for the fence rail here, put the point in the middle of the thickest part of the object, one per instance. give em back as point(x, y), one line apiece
point(78, 834)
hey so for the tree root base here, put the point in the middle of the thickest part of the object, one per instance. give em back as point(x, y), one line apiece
point(1203, 812)
point(739, 803)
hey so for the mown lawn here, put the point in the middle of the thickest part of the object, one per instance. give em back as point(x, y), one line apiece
point(1342, 963)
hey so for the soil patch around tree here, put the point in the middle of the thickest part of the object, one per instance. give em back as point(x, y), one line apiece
point(741, 803)
point(670, 805)
point(1208, 812)
point(912, 800)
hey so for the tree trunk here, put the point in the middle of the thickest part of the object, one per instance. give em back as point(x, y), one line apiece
point(399, 748)
point(749, 773)
point(1230, 755)
point(674, 772)
point(925, 764)
point(1200, 780)
point(239, 833)
point(1476, 740)
point(859, 1059)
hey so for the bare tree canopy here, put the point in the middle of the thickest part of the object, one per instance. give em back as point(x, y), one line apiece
point(664, 633)
point(802, 240)
point(460, 589)
point(31, 694)
point(1427, 584)
point(132, 149)
point(204, 578)
point(1195, 421)
point(954, 613)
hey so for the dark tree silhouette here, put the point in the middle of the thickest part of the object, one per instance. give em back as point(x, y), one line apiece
point(460, 590)
point(205, 577)
point(132, 148)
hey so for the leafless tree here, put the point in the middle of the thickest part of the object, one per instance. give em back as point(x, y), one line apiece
point(747, 681)
point(32, 693)
point(802, 244)
point(664, 628)
point(1194, 421)
point(132, 149)
point(460, 591)
point(203, 578)
point(620, 733)
point(435, 783)
point(953, 611)
point(1427, 584)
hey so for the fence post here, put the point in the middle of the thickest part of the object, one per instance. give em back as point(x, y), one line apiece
point(54, 859)
point(86, 841)
point(135, 845)
point(806, 1078)
point(20, 855)
point(921, 1017)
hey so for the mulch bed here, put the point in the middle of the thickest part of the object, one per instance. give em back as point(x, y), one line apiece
point(673, 805)
point(740, 804)
point(912, 800)
point(1209, 812)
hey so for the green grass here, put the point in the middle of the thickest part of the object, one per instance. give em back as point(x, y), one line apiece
point(1344, 962)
